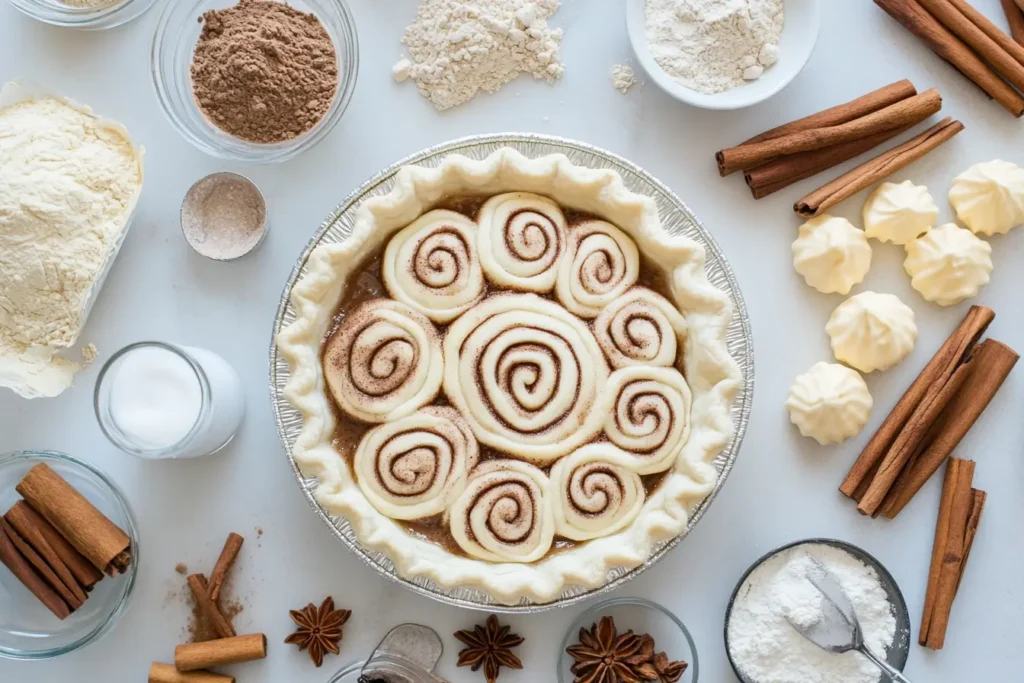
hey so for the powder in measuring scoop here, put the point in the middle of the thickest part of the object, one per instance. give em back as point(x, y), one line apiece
point(224, 216)
point(264, 71)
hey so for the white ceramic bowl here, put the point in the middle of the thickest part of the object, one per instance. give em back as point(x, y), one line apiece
point(799, 35)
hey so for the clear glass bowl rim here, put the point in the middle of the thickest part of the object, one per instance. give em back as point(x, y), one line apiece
point(129, 579)
point(90, 18)
point(255, 153)
point(591, 614)
point(886, 576)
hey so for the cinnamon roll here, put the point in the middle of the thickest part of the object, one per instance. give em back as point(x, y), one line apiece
point(432, 265)
point(384, 361)
point(600, 264)
point(504, 515)
point(417, 466)
point(522, 240)
point(648, 415)
point(526, 375)
point(594, 493)
point(640, 327)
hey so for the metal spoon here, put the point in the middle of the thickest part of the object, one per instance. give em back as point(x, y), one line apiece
point(840, 631)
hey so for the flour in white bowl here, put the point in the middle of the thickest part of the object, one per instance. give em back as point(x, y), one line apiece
point(714, 45)
point(766, 647)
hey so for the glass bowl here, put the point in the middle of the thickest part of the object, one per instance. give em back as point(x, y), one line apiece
point(176, 35)
point(27, 629)
point(640, 616)
point(348, 673)
point(897, 653)
point(92, 18)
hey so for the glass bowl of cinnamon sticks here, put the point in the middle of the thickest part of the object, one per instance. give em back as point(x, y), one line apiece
point(68, 554)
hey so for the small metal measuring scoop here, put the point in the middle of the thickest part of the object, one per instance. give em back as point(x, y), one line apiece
point(840, 631)
point(408, 654)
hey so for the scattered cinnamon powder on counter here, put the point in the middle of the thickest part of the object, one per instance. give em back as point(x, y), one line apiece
point(264, 71)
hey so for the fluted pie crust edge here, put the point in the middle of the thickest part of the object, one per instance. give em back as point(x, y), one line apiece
point(714, 377)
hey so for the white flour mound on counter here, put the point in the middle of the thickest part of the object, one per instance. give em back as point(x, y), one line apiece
point(458, 47)
point(766, 647)
point(714, 45)
point(67, 185)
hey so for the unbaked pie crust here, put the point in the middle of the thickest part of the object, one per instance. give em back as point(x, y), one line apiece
point(711, 373)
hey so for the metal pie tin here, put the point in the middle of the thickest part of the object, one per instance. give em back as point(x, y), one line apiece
point(676, 218)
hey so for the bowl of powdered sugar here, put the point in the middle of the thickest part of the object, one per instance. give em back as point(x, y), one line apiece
point(723, 54)
point(764, 647)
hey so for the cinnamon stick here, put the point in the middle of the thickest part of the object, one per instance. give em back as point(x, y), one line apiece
point(42, 568)
point(165, 673)
point(218, 622)
point(987, 368)
point(910, 437)
point(989, 28)
point(33, 535)
point(78, 520)
point(948, 552)
point(944, 43)
point(1015, 17)
point(950, 355)
point(977, 507)
point(30, 578)
point(909, 111)
point(953, 15)
point(769, 178)
point(877, 169)
point(83, 571)
point(224, 563)
point(213, 653)
point(855, 109)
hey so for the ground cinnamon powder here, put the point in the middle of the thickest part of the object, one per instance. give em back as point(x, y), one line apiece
point(263, 71)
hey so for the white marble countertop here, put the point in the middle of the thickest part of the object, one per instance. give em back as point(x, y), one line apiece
point(783, 487)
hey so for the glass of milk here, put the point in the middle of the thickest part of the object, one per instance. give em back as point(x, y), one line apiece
point(156, 400)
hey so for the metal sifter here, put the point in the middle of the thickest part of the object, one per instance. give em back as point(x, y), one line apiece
point(407, 654)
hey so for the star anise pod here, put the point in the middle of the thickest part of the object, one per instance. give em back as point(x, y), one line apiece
point(669, 671)
point(319, 630)
point(490, 647)
point(604, 656)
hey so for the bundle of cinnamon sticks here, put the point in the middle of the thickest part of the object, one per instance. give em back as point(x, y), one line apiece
point(931, 418)
point(58, 544)
point(959, 515)
point(784, 155)
point(192, 660)
point(968, 40)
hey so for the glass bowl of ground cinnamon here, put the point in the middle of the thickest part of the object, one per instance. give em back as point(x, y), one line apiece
point(257, 81)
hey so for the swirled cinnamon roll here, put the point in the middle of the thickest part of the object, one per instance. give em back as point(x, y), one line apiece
point(640, 327)
point(600, 264)
point(526, 375)
point(648, 413)
point(522, 240)
point(594, 493)
point(384, 361)
point(417, 466)
point(432, 265)
point(504, 515)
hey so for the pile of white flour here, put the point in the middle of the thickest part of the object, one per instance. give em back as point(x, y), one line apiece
point(766, 647)
point(459, 47)
point(68, 182)
point(713, 45)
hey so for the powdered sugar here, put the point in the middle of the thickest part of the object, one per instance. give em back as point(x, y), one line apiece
point(458, 48)
point(714, 45)
point(767, 649)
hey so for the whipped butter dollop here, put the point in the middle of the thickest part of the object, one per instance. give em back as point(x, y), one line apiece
point(989, 197)
point(829, 403)
point(68, 184)
point(899, 212)
point(872, 331)
point(831, 254)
